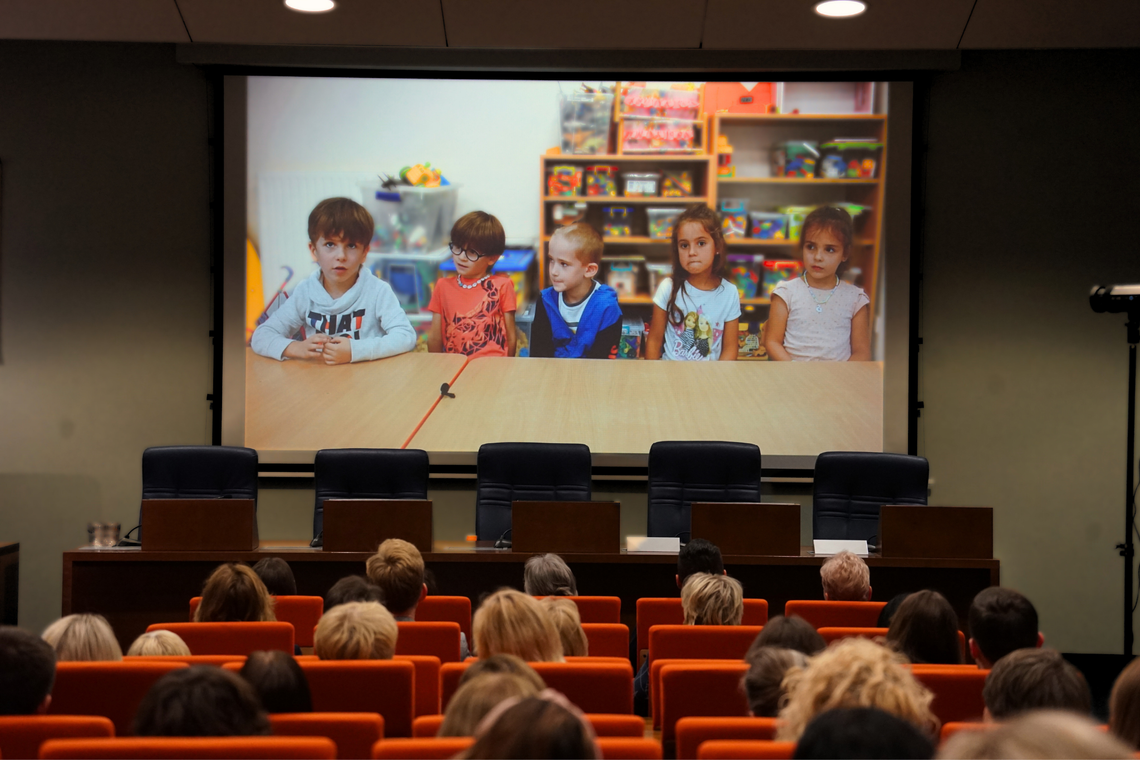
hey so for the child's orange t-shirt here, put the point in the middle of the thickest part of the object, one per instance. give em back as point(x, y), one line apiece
point(474, 321)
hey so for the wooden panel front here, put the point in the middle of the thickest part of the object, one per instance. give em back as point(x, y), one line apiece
point(361, 525)
point(566, 527)
point(915, 531)
point(746, 528)
point(199, 524)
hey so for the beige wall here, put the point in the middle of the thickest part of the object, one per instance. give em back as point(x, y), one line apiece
point(1031, 195)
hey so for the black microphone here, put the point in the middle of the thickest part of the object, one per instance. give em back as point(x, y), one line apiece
point(502, 543)
point(127, 540)
point(319, 541)
point(443, 391)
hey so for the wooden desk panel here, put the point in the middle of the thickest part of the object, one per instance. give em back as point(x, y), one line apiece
point(623, 407)
point(304, 406)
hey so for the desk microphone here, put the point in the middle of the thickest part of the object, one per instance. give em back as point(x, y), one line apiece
point(444, 391)
point(503, 542)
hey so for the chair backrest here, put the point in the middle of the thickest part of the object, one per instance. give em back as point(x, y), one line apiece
point(231, 638)
point(691, 732)
point(735, 749)
point(681, 472)
point(957, 690)
point(850, 486)
point(449, 675)
point(605, 724)
point(426, 726)
point(607, 639)
point(823, 614)
point(629, 748)
point(22, 735)
point(199, 472)
point(456, 609)
point(216, 660)
point(304, 612)
point(439, 639)
point(954, 726)
point(427, 682)
point(380, 686)
point(110, 689)
point(185, 748)
point(367, 474)
point(353, 733)
point(509, 472)
point(834, 633)
point(597, 609)
point(421, 749)
point(700, 689)
point(596, 687)
point(653, 611)
point(659, 665)
point(701, 642)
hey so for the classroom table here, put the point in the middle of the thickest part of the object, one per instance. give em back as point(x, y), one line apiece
point(623, 407)
point(133, 588)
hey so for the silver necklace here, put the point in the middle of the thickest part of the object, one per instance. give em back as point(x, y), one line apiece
point(475, 284)
point(819, 304)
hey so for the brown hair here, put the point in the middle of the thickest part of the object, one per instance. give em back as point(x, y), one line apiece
point(343, 218)
point(83, 638)
point(835, 220)
point(158, 643)
point(27, 671)
point(763, 684)
point(201, 701)
point(512, 622)
point(564, 614)
point(542, 726)
point(584, 240)
point(353, 588)
point(479, 232)
point(790, 633)
point(710, 221)
point(845, 577)
point(1041, 734)
point(710, 599)
point(548, 575)
point(1001, 621)
point(475, 698)
point(1035, 679)
point(925, 629)
point(397, 568)
point(356, 631)
point(1124, 705)
point(502, 663)
point(279, 682)
point(234, 594)
point(277, 576)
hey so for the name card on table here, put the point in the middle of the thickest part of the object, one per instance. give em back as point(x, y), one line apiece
point(828, 547)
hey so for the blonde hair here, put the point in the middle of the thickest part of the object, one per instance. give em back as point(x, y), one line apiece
point(356, 631)
point(846, 578)
point(158, 643)
point(548, 575)
point(854, 672)
point(234, 594)
point(1040, 734)
point(474, 699)
point(83, 638)
point(564, 614)
point(709, 599)
point(511, 622)
point(397, 568)
point(584, 240)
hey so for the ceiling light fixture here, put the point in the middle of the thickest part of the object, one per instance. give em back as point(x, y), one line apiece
point(310, 6)
point(840, 8)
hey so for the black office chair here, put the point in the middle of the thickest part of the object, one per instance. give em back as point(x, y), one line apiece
point(850, 486)
point(681, 472)
point(367, 474)
point(526, 472)
point(199, 472)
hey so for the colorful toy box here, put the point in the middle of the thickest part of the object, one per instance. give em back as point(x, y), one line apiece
point(641, 184)
point(564, 179)
point(796, 216)
point(652, 135)
point(744, 269)
point(677, 184)
point(661, 221)
point(565, 214)
point(776, 271)
point(622, 273)
point(618, 221)
point(733, 216)
point(750, 341)
point(854, 158)
point(679, 102)
point(514, 263)
point(602, 180)
point(795, 159)
point(768, 225)
point(632, 336)
point(586, 118)
point(411, 219)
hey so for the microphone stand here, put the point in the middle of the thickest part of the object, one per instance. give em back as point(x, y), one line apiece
point(1126, 549)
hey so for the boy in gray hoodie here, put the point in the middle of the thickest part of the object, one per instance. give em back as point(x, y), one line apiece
point(344, 312)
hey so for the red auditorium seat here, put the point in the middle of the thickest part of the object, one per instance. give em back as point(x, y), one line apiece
point(304, 612)
point(231, 638)
point(353, 733)
point(824, 614)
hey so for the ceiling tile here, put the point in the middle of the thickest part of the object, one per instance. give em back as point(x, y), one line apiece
point(581, 24)
point(98, 20)
point(1053, 24)
point(351, 22)
point(794, 25)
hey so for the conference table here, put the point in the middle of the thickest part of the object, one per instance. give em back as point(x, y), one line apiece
point(133, 588)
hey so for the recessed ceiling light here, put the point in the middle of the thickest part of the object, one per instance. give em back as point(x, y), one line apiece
point(840, 8)
point(310, 6)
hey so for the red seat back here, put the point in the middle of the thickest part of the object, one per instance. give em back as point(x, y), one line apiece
point(596, 687)
point(421, 749)
point(597, 609)
point(353, 733)
point(653, 611)
point(232, 638)
point(953, 727)
point(456, 609)
point(731, 749)
point(427, 682)
point(701, 642)
point(692, 731)
point(629, 748)
point(605, 724)
point(426, 726)
point(216, 660)
point(957, 690)
point(655, 681)
point(700, 689)
point(183, 748)
point(607, 639)
point(437, 638)
point(304, 612)
point(110, 689)
point(376, 686)
point(832, 634)
point(824, 614)
point(449, 675)
point(22, 735)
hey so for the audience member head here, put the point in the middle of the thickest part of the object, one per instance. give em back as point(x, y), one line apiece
point(1043, 735)
point(354, 588)
point(27, 672)
point(1034, 679)
point(1001, 621)
point(429, 581)
point(887, 614)
point(854, 672)
point(511, 622)
point(698, 556)
point(1124, 705)
point(158, 644)
point(234, 594)
point(397, 568)
point(201, 701)
point(542, 726)
point(279, 682)
point(356, 631)
point(474, 699)
point(502, 663)
point(862, 733)
point(790, 633)
point(83, 638)
point(763, 683)
point(277, 576)
point(925, 629)
point(564, 614)
point(548, 575)
point(712, 600)
point(846, 578)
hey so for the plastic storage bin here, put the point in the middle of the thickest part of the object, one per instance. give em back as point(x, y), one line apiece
point(768, 225)
point(733, 217)
point(564, 179)
point(851, 159)
point(585, 120)
point(777, 271)
point(632, 336)
point(677, 184)
point(638, 100)
point(514, 263)
point(745, 270)
point(411, 275)
point(796, 216)
point(411, 219)
point(661, 221)
point(641, 134)
point(622, 274)
point(640, 184)
point(795, 158)
point(618, 221)
point(602, 180)
point(565, 214)
point(657, 273)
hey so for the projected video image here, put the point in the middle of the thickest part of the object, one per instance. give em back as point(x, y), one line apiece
point(610, 263)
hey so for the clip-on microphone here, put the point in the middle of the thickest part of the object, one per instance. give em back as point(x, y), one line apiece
point(444, 390)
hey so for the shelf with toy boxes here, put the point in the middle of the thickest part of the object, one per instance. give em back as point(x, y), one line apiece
point(660, 118)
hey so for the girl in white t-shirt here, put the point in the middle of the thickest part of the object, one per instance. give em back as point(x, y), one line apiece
point(817, 317)
point(698, 319)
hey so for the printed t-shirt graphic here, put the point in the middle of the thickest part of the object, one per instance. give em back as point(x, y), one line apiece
point(474, 321)
point(698, 336)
